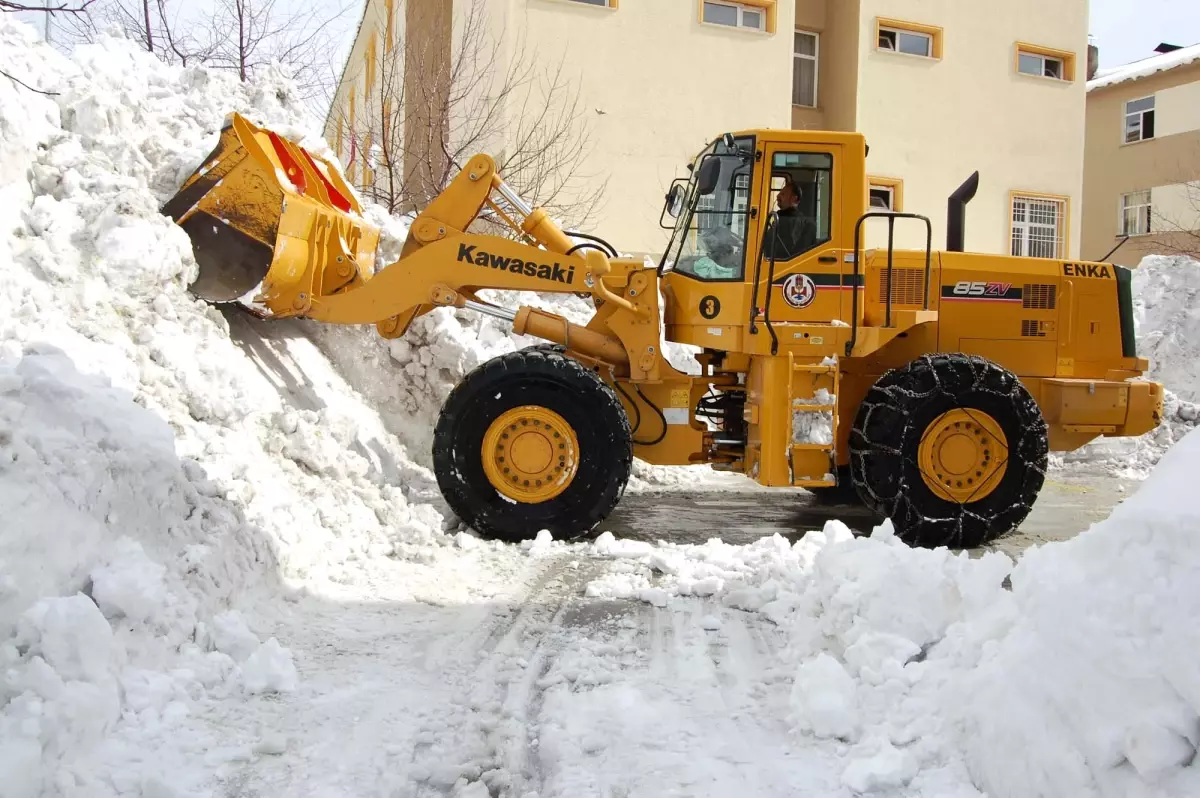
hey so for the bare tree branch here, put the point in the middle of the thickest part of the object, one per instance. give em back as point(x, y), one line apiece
point(436, 104)
point(61, 8)
point(1178, 232)
point(247, 36)
point(26, 85)
point(71, 9)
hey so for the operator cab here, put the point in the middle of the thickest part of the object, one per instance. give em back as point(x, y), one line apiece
point(758, 207)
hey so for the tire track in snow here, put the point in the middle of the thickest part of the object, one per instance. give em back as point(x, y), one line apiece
point(500, 667)
point(650, 702)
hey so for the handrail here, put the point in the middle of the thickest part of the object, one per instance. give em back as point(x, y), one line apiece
point(891, 216)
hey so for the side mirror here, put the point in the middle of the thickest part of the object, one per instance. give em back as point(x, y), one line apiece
point(710, 173)
point(728, 141)
point(675, 200)
point(673, 206)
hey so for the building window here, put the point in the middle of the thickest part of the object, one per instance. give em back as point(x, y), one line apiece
point(371, 56)
point(885, 193)
point(735, 15)
point(1044, 62)
point(1135, 213)
point(1040, 65)
point(1038, 226)
point(804, 69)
point(391, 26)
point(910, 38)
point(1139, 120)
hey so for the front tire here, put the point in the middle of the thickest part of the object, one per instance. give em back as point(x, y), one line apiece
point(952, 448)
point(532, 440)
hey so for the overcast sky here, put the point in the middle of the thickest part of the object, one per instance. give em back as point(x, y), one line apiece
point(1124, 30)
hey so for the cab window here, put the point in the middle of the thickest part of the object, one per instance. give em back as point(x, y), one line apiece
point(802, 196)
point(713, 246)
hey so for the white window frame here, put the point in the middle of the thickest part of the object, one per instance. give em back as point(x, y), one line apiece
point(1141, 115)
point(741, 10)
point(815, 58)
point(1026, 232)
point(1043, 61)
point(1125, 209)
point(897, 33)
point(891, 193)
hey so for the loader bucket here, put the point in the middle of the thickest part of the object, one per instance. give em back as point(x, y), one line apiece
point(250, 210)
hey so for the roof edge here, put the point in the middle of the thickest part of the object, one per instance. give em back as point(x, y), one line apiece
point(346, 64)
point(1146, 67)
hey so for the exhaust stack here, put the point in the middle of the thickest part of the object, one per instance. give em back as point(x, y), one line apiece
point(956, 213)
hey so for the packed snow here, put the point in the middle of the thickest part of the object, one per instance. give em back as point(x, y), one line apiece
point(226, 569)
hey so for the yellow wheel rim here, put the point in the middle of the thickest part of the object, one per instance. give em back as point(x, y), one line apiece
point(963, 455)
point(530, 454)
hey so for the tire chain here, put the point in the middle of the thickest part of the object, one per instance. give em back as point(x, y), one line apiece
point(965, 528)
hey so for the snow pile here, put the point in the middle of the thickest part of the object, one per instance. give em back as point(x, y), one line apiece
point(113, 549)
point(1078, 681)
point(1166, 307)
point(101, 274)
point(1166, 299)
point(154, 470)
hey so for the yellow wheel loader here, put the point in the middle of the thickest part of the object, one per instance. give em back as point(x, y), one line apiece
point(928, 385)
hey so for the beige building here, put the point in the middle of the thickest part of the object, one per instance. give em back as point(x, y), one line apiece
point(940, 88)
point(1142, 163)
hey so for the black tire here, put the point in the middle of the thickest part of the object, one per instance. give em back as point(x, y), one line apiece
point(886, 437)
point(844, 494)
point(535, 376)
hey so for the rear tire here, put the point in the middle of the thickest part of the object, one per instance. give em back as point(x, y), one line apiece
point(905, 406)
point(544, 378)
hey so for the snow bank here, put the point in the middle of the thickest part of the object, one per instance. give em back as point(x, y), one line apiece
point(1079, 681)
point(99, 273)
point(112, 551)
point(1166, 299)
point(160, 461)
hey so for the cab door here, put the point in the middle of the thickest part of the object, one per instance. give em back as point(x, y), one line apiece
point(798, 273)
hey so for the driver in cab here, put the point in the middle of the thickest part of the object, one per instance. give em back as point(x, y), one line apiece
point(793, 232)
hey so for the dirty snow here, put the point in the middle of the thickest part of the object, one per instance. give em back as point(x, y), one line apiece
point(813, 426)
point(225, 570)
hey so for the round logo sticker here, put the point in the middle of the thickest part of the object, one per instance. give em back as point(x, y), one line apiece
point(799, 291)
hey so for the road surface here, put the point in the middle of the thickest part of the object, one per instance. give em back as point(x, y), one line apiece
point(1068, 505)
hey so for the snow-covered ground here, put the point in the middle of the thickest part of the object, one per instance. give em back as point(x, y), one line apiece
point(225, 569)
